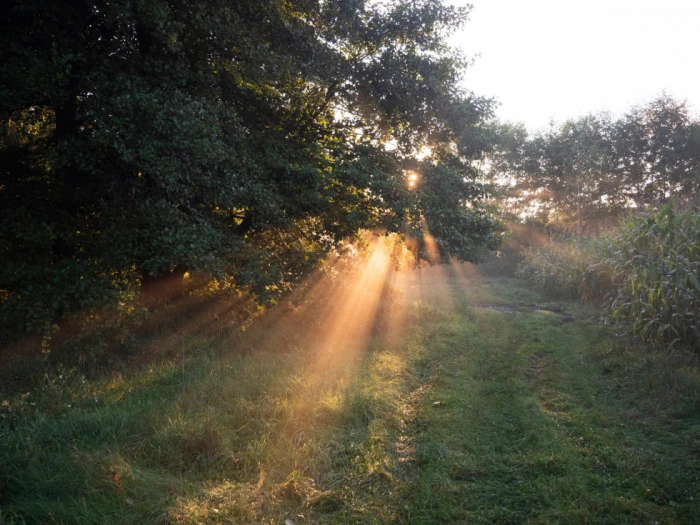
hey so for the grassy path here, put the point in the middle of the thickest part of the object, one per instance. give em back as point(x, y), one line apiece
point(543, 419)
point(476, 401)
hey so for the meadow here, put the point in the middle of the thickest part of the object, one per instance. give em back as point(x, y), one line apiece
point(437, 396)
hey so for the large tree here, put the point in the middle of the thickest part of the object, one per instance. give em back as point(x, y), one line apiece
point(246, 139)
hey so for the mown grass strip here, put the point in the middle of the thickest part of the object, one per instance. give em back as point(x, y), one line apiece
point(535, 425)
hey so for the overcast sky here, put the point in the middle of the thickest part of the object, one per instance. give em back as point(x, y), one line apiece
point(545, 59)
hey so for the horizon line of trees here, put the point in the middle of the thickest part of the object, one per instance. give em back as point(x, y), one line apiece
point(589, 171)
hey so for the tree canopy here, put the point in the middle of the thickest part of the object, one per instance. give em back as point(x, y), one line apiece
point(244, 139)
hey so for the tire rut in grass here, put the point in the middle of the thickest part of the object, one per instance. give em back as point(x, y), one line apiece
point(405, 445)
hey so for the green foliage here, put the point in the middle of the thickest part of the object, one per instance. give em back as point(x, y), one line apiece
point(657, 260)
point(648, 272)
point(246, 140)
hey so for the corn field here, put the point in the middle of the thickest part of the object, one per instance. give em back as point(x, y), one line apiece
point(646, 274)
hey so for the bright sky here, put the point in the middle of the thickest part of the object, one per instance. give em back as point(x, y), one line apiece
point(545, 59)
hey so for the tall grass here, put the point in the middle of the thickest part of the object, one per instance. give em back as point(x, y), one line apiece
point(219, 436)
point(646, 274)
point(558, 269)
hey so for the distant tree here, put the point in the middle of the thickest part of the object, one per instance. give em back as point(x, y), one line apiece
point(247, 139)
point(563, 171)
point(589, 170)
point(657, 152)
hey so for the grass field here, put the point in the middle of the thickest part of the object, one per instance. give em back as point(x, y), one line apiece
point(459, 399)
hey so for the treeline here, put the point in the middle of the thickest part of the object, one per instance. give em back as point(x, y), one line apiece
point(589, 171)
point(248, 140)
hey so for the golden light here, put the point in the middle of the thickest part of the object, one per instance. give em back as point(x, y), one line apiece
point(356, 307)
point(412, 179)
point(335, 335)
point(431, 246)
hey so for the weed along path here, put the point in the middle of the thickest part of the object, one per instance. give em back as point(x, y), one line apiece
point(460, 400)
